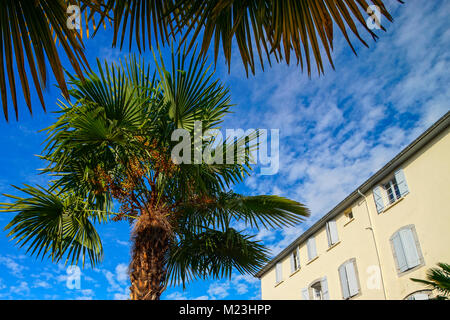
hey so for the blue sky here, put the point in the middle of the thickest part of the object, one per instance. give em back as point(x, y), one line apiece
point(335, 131)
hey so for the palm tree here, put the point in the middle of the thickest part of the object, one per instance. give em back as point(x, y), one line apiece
point(438, 279)
point(263, 29)
point(113, 144)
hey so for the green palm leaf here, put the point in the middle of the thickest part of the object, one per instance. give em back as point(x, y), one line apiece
point(438, 279)
point(55, 225)
point(215, 254)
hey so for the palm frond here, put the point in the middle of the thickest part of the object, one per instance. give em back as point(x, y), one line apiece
point(55, 225)
point(190, 92)
point(438, 278)
point(26, 33)
point(262, 211)
point(214, 254)
point(260, 30)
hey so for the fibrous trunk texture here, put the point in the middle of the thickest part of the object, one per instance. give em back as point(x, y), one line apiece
point(148, 263)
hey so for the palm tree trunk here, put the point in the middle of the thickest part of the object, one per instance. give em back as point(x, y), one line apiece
point(148, 263)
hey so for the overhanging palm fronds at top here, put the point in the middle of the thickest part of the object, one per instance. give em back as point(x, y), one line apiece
point(261, 29)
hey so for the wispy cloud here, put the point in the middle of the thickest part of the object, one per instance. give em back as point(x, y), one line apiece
point(14, 267)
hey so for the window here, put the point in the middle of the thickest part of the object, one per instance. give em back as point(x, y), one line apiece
point(295, 260)
point(349, 279)
point(278, 273)
point(390, 191)
point(332, 234)
point(419, 295)
point(406, 249)
point(318, 290)
point(311, 244)
point(349, 215)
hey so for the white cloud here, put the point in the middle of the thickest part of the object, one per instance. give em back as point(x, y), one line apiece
point(218, 290)
point(122, 272)
point(176, 296)
point(123, 243)
point(41, 284)
point(86, 294)
point(13, 267)
point(2, 284)
point(118, 281)
point(22, 288)
point(121, 296)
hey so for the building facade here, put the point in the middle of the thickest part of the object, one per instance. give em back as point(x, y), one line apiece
point(394, 227)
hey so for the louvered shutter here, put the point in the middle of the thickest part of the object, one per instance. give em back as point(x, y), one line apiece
point(311, 244)
point(298, 257)
point(344, 282)
point(305, 294)
point(378, 199)
point(399, 253)
point(278, 272)
point(351, 278)
point(410, 248)
point(401, 182)
point(332, 232)
point(324, 285)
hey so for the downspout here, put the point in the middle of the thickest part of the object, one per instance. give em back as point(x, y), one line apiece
point(375, 242)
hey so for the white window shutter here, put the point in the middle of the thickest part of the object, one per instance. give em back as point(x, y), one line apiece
point(344, 282)
point(305, 294)
point(379, 203)
point(278, 272)
point(420, 296)
point(401, 182)
point(327, 227)
point(292, 263)
point(410, 249)
point(324, 285)
point(333, 231)
point(311, 244)
point(298, 257)
point(399, 252)
point(351, 278)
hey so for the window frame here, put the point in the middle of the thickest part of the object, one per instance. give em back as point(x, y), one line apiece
point(358, 283)
point(349, 215)
point(418, 248)
point(311, 289)
point(296, 258)
point(427, 291)
point(391, 190)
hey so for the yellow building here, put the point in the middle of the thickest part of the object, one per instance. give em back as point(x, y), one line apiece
point(394, 227)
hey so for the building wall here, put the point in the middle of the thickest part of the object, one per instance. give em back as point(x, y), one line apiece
point(425, 206)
